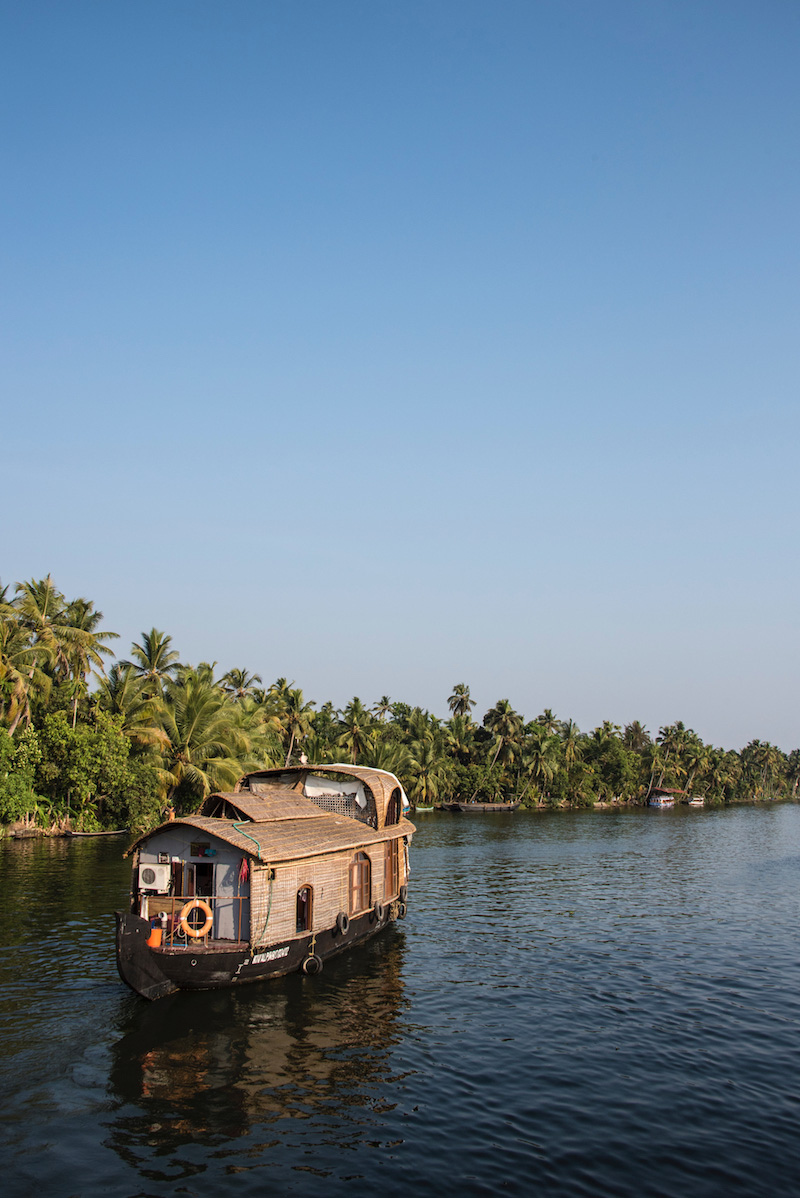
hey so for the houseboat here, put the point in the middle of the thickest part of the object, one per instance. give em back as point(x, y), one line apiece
point(663, 796)
point(290, 868)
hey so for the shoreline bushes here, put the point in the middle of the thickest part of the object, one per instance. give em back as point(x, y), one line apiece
point(156, 734)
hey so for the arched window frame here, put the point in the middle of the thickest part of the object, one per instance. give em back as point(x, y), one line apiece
point(309, 914)
point(394, 808)
point(360, 883)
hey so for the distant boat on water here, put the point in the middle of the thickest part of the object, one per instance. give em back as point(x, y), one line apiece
point(663, 796)
point(477, 808)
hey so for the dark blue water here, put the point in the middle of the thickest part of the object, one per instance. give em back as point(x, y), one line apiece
point(578, 1004)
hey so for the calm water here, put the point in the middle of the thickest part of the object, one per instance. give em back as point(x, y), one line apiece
point(578, 1003)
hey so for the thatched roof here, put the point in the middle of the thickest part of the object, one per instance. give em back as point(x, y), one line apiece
point(268, 805)
point(274, 841)
point(381, 783)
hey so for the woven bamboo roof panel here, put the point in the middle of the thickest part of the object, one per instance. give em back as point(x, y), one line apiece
point(288, 839)
point(269, 804)
point(381, 783)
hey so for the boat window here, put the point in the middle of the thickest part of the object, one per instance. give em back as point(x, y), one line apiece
point(305, 903)
point(391, 884)
point(360, 883)
point(394, 808)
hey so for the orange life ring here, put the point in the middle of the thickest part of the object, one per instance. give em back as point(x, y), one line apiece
point(186, 927)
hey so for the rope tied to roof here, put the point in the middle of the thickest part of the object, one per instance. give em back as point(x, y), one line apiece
point(239, 828)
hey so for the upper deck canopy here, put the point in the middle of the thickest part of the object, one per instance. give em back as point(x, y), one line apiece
point(269, 817)
point(380, 783)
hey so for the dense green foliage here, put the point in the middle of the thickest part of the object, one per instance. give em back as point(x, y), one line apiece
point(155, 733)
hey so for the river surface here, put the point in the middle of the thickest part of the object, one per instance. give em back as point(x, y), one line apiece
point(587, 1003)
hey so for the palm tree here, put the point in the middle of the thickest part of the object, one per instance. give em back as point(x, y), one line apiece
point(262, 728)
point(382, 708)
point(20, 670)
point(793, 770)
point(723, 773)
point(459, 702)
point(357, 730)
point(389, 755)
point(506, 725)
point(39, 608)
point(606, 732)
point(570, 742)
point(636, 737)
point(421, 725)
point(319, 749)
point(672, 739)
point(85, 654)
point(279, 690)
point(298, 719)
point(696, 760)
point(547, 721)
point(540, 756)
point(427, 771)
point(206, 747)
point(64, 634)
point(155, 662)
point(761, 762)
point(239, 683)
point(123, 693)
point(460, 736)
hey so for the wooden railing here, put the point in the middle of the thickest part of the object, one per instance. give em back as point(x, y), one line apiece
point(174, 935)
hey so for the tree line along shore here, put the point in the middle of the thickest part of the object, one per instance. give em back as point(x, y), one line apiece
point(89, 742)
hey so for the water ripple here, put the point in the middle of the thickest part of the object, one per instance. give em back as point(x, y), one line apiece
point(578, 1004)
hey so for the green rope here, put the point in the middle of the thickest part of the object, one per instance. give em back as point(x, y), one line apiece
point(269, 908)
point(238, 828)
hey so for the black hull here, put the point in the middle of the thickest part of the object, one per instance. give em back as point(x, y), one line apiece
point(156, 972)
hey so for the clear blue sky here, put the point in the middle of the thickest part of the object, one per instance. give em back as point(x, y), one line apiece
point(386, 346)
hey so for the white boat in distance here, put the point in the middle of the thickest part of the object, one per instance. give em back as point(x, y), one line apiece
point(663, 796)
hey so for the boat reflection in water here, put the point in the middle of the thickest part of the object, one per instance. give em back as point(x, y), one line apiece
point(205, 1070)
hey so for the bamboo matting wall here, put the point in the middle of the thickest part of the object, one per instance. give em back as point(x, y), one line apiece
point(273, 901)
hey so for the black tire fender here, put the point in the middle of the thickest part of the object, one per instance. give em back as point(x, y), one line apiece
point(403, 894)
point(342, 923)
point(312, 964)
point(401, 910)
point(379, 910)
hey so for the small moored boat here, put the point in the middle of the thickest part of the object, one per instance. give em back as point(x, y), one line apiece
point(478, 808)
point(288, 869)
point(663, 796)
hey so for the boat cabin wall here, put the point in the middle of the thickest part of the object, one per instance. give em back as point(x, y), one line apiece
point(202, 866)
point(298, 897)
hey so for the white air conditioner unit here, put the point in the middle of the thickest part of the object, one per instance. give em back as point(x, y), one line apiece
point(154, 878)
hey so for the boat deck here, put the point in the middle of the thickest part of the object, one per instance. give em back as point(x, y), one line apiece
point(213, 946)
